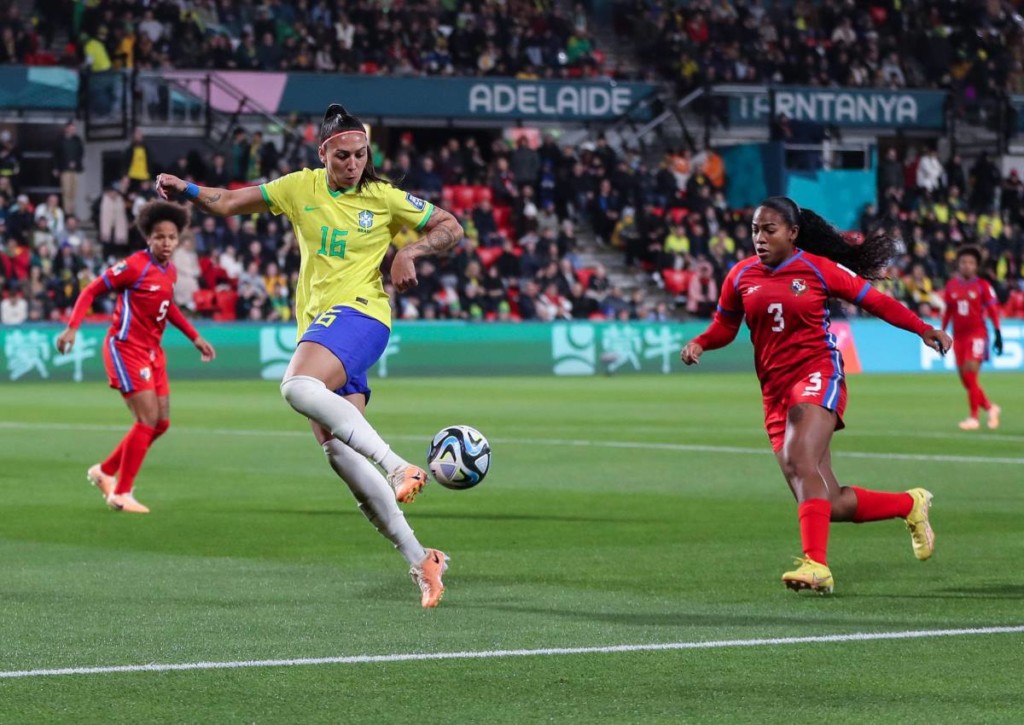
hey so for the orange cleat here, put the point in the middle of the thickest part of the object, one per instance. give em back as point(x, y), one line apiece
point(993, 416)
point(127, 503)
point(427, 576)
point(407, 482)
point(104, 482)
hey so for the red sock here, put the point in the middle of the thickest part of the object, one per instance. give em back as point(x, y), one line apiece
point(880, 505)
point(113, 462)
point(980, 398)
point(975, 395)
point(135, 445)
point(814, 517)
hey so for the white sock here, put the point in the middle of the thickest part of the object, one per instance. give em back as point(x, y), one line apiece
point(310, 396)
point(376, 499)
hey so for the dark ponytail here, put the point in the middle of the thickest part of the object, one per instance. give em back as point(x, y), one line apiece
point(869, 259)
point(338, 120)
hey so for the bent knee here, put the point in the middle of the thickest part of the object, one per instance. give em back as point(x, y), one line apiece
point(296, 387)
point(162, 425)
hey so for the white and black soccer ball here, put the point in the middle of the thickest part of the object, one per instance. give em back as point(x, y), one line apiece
point(459, 457)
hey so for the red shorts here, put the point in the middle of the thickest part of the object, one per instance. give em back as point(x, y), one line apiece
point(820, 386)
point(134, 369)
point(970, 347)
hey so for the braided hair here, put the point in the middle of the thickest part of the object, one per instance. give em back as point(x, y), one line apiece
point(338, 120)
point(869, 259)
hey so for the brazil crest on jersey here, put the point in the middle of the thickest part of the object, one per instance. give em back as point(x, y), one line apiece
point(342, 237)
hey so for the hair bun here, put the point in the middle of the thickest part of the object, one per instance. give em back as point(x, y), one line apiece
point(335, 109)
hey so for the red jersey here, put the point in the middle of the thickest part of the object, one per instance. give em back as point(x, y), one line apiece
point(786, 308)
point(967, 303)
point(145, 301)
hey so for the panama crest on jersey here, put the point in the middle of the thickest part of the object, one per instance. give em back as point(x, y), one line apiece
point(798, 286)
point(365, 219)
point(417, 203)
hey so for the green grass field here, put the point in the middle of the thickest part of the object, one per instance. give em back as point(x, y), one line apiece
point(624, 511)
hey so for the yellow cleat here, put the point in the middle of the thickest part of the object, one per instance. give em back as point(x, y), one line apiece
point(921, 535)
point(103, 481)
point(126, 502)
point(407, 482)
point(427, 576)
point(993, 416)
point(809, 575)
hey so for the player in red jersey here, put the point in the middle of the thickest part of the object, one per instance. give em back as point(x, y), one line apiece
point(783, 293)
point(144, 283)
point(968, 299)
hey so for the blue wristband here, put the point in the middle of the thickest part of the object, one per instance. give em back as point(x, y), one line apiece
point(191, 191)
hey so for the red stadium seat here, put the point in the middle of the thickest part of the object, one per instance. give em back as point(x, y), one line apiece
point(677, 281)
point(488, 255)
point(204, 301)
point(584, 274)
point(678, 213)
point(226, 299)
point(502, 214)
point(464, 196)
point(447, 197)
point(482, 193)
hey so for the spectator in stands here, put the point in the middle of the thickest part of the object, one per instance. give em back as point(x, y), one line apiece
point(67, 162)
point(10, 163)
point(137, 161)
point(930, 172)
point(702, 296)
point(113, 222)
point(53, 214)
point(13, 308)
point(186, 261)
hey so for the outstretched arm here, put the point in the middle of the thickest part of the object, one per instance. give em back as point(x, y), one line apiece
point(441, 234)
point(66, 339)
point(720, 332)
point(219, 202)
point(888, 309)
point(176, 318)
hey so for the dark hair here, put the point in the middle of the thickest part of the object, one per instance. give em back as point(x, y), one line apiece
point(868, 259)
point(337, 120)
point(971, 250)
point(154, 212)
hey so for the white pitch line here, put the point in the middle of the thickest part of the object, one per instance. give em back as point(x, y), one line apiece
point(636, 445)
point(495, 654)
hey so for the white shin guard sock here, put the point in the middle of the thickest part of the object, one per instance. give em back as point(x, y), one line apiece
point(310, 396)
point(375, 497)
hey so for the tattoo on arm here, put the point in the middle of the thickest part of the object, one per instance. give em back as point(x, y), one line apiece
point(208, 200)
point(440, 240)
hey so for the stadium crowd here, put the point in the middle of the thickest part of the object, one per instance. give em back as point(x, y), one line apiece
point(523, 207)
point(525, 211)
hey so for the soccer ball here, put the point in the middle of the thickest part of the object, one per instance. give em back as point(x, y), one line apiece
point(459, 457)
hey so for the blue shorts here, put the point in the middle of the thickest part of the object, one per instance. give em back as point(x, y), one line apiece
point(356, 339)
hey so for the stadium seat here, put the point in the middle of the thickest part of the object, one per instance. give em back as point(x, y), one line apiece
point(225, 309)
point(502, 215)
point(488, 255)
point(448, 197)
point(464, 196)
point(584, 274)
point(482, 193)
point(677, 214)
point(677, 281)
point(205, 302)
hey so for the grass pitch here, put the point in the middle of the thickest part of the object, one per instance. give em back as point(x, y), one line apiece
point(619, 511)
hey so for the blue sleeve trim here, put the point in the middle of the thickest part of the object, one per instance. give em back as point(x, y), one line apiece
point(106, 281)
point(862, 294)
point(728, 312)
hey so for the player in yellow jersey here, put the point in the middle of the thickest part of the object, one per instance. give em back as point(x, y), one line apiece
point(344, 217)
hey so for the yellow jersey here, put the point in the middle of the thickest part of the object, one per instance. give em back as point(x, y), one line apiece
point(342, 237)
